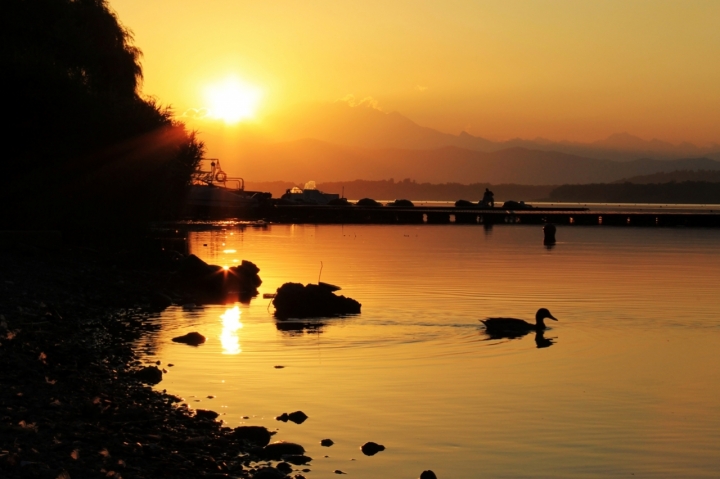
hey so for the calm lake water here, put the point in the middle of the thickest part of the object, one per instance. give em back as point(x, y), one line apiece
point(630, 385)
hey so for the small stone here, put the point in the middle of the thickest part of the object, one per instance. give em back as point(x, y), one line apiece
point(428, 475)
point(371, 448)
point(326, 442)
point(193, 339)
point(298, 417)
point(338, 471)
point(284, 467)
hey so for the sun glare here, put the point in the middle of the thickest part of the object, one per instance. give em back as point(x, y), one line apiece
point(232, 100)
point(229, 337)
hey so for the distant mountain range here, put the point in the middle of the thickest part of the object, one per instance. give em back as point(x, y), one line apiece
point(304, 160)
point(368, 127)
point(337, 142)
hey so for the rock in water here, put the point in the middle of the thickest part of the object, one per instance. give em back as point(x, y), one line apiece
point(298, 417)
point(327, 442)
point(428, 475)
point(277, 450)
point(193, 339)
point(293, 300)
point(212, 282)
point(371, 448)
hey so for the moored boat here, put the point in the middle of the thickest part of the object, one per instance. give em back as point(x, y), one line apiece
point(309, 195)
point(213, 193)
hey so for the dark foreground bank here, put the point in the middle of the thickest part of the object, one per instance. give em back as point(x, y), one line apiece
point(71, 403)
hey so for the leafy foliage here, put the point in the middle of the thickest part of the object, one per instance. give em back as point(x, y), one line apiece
point(82, 144)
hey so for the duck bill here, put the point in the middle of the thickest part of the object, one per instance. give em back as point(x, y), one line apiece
point(553, 317)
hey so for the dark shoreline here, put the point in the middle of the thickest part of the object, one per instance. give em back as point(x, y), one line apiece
point(71, 405)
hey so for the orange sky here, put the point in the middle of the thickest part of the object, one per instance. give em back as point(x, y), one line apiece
point(563, 70)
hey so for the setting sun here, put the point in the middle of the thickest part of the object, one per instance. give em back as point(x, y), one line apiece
point(232, 100)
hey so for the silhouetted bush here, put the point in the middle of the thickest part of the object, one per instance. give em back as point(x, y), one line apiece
point(82, 146)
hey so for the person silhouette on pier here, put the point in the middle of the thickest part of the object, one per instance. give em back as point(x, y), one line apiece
point(488, 198)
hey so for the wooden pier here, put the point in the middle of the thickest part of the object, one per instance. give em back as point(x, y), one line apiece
point(354, 214)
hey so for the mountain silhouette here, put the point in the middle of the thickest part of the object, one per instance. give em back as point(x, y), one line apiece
point(366, 126)
point(310, 159)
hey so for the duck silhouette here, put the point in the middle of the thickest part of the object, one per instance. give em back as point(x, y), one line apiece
point(517, 327)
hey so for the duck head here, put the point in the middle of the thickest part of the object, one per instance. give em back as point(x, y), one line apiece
point(543, 313)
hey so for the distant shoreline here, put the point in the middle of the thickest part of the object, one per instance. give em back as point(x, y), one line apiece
point(685, 192)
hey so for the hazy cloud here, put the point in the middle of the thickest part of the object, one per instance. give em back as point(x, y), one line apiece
point(196, 113)
point(420, 88)
point(367, 102)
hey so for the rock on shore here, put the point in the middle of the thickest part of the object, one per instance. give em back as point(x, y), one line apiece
point(214, 283)
point(71, 403)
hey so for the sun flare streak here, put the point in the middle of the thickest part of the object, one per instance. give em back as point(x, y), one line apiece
point(231, 324)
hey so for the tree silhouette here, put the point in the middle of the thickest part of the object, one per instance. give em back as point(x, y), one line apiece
point(82, 143)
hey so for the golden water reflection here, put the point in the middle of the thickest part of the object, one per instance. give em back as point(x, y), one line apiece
point(229, 337)
point(629, 386)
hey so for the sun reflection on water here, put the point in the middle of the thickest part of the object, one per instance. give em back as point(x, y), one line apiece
point(231, 324)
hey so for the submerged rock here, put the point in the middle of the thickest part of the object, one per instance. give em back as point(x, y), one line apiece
point(293, 300)
point(371, 448)
point(193, 339)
